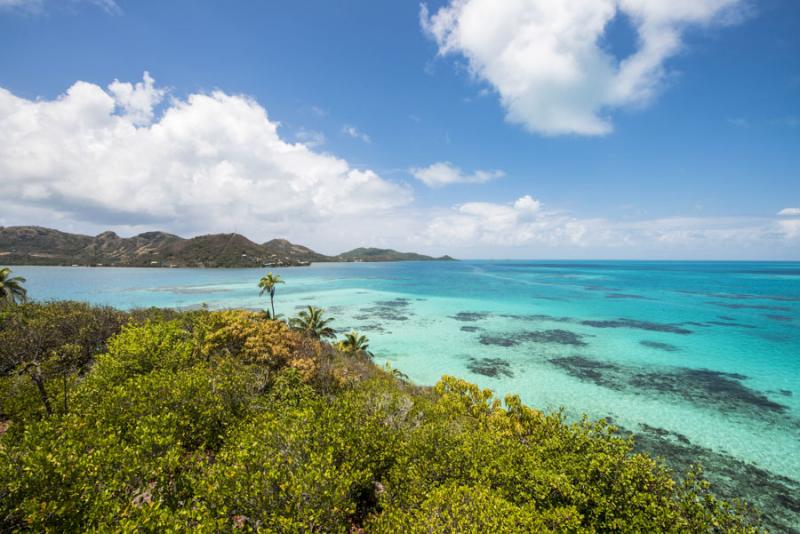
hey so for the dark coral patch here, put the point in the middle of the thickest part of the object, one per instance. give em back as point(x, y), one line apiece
point(666, 347)
point(731, 478)
point(470, 328)
point(394, 303)
point(626, 296)
point(491, 367)
point(372, 327)
point(589, 370)
point(536, 317)
point(706, 387)
point(780, 318)
point(639, 325)
point(749, 306)
point(469, 317)
point(500, 341)
point(664, 433)
point(388, 310)
point(560, 337)
point(556, 336)
point(730, 323)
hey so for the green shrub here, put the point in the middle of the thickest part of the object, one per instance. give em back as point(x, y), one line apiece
point(219, 421)
point(464, 509)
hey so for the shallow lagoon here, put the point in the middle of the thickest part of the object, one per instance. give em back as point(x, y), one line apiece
point(701, 359)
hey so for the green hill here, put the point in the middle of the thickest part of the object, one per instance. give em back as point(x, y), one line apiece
point(35, 245)
point(385, 254)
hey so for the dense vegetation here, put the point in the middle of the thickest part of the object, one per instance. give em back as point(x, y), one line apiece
point(157, 420)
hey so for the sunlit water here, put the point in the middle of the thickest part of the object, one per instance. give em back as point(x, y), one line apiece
point(706, 355)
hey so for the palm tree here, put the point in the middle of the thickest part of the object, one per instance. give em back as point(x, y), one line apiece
point(355, 343)
point(11, 290)
point(312, 322)
point(267, 285)
point(397, 373)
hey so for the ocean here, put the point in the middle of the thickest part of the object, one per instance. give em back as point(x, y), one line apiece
point(701, 360)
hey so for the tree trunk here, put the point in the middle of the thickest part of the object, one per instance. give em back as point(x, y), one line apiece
point(65, 391)
point(272, 303)
point(39, 381)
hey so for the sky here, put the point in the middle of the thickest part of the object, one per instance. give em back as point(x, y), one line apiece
point(610, 129)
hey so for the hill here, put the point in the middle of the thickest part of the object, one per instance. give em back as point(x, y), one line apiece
point(386, 254)
point(35, 245)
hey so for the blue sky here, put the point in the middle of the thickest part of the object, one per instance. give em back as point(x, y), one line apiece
point(420, 129)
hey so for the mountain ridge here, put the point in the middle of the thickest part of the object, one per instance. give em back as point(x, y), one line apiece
point(37, 245)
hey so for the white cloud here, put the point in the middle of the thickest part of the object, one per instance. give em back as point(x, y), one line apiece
point(790, 228)
point(33, 5)
point(355, 133)
point(210, 162)
point(524, 229)
point(445, 173)
point(547, 60)
point(310, 138)
point(127, 159)
point(137, 100)
point(36, 6)
point(519, 223)
point(789, 212)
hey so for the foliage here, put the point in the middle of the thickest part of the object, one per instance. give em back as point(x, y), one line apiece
point(252, 339)
point(267, 285)
point(11, 289)
point(355, 343)
point(312, 322)
point(43, 348)
point(216, 421)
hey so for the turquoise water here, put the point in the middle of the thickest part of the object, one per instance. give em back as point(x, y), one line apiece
point(703, 356)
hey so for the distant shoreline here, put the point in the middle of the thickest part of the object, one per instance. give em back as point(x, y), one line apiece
point(164, 267)
point(36, 245)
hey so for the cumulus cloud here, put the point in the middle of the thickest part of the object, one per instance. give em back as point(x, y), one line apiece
point(355, 133)
point(518, 223)
point(139, 100)
point(789, 212)
point(445, 173)
point(547, 60)
point(526, 225)
point(127, 158)
point(211, 161)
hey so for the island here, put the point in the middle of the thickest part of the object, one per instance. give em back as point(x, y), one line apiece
point(36, 245)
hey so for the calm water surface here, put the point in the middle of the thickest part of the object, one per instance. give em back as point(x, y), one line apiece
point(702, 359)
